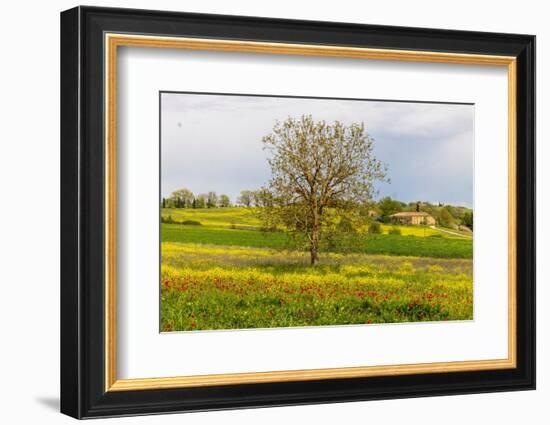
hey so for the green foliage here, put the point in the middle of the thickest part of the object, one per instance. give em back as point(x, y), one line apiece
point(246, 198)
point(468, 220)
point(394, 231)
point(200, 201)
point(182, 198)
point(387, 207)
point(343, 235)
point(170, 220)
point(211, 200)
point(191, 222)
point(375, 228)
point(263, 198)
point(224, 201)
point(445, 218)
point(167, 219)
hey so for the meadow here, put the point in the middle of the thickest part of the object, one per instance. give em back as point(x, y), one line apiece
point(241, 227)
point(221, 271)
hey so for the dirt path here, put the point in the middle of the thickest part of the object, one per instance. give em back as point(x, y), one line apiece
point(449, 232)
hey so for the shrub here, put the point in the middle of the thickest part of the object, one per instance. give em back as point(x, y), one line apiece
point(191, 222)
point(375, 228)
point(446, 219)
point(167, 220)
point(394, 231)
point(468, 220)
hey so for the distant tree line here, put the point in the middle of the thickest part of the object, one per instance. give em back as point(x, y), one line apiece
point(184, 198)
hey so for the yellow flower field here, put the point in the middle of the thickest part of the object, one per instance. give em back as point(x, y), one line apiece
point(230, 287)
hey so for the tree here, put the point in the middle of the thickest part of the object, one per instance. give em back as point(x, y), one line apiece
point(163, 202)
point(468, 220)
point(246, 198)
point(224, 201)
point(182, 198)
point(200, 200)
point(387, 207)
point(211, 200)
point(342, 234)
point(455, 212)
point(445, 218)
point(375, 228)
point(318, 168)
point(262, 198)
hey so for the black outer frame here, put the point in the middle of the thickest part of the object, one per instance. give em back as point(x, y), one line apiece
point(82, 212)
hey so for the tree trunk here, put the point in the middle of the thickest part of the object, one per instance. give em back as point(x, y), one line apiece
point(314, 236)
point(314, 245)
point(314, 256)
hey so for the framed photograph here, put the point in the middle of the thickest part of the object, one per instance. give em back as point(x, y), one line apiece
point(261, 212)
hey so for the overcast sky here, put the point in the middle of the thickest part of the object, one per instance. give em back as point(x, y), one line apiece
point(213, 142)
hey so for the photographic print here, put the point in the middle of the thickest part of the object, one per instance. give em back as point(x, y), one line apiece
point(266, 186)
point(280, 211)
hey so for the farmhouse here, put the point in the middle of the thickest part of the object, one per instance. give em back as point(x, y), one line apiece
point(415, 218)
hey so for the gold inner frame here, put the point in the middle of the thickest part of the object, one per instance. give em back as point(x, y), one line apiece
point(113, 41)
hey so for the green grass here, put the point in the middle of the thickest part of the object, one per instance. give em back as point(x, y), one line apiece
point(221, 287)
point(222, 236)
point(438, 247)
